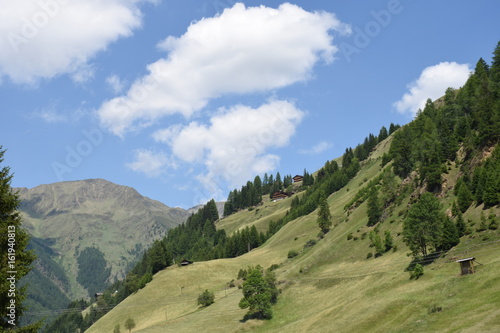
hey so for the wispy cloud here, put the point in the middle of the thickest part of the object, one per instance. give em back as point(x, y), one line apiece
point(115, 83)
point(432, 83)
point(317, 149)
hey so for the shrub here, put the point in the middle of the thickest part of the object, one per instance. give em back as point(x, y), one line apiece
point(369, 255)
point(310, 243)
point(292, 254)
point(206, 298)
point(417, 272)
point(434, 309)
point(350, 236)
point(273, 267)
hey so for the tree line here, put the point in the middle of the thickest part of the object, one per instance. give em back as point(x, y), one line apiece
point(251, 193)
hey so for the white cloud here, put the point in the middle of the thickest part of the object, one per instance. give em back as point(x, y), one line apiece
point(243, 50)
point(317, 149)
point(150, 163)
point(432, 83)
point(115, 83)
point(43, 39)
point(234, 147)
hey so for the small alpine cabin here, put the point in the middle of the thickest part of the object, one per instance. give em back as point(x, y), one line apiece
point(466, 265)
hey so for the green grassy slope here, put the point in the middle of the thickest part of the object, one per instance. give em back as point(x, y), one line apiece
point(331, 286)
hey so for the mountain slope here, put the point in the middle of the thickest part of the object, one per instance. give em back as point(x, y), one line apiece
point(66, 218)
point(330, 286)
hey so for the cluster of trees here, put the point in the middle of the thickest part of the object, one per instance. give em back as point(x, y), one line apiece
point(363, 150)
point(330, 179)
point(381, 245)
point(482, 187)
point(251, 193)
point(427, 229)
point(468, 117)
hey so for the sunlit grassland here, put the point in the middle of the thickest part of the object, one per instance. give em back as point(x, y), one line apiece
point(331, 286)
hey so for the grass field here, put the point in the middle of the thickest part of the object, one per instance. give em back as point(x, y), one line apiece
point(331, 286)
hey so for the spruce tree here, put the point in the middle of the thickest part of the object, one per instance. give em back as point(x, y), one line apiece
point(422, 228)
point(450, 236)
point(324, 216)
point(374, 207)
point(15, 259)
point(461, 227)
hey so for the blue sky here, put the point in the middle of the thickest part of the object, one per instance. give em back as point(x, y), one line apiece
point(186, 100)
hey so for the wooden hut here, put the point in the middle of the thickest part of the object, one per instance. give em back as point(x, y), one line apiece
point(279, 195)
point(466, 265)
point(298, 178)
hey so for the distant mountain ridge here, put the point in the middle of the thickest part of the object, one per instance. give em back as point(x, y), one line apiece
point(65, 218)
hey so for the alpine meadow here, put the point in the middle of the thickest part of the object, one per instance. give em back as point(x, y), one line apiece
point(279, 206)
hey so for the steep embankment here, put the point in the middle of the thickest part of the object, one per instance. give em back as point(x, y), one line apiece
point(66, 218)
point(332, 285)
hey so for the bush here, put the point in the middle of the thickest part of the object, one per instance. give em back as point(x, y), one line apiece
point(369, 255)
point(292, 254)
point(273, 267)
point(417, 272)
point(206, 298)
point(349, 236)
point(310, 243)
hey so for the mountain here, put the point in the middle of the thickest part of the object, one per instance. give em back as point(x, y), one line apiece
point(90, 220)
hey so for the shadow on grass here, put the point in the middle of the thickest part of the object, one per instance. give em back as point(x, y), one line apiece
point(423, 260)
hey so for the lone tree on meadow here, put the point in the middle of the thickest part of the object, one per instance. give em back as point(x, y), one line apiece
point(259, 293)
point(324, 216)
point(206, 298)
point(129, 324)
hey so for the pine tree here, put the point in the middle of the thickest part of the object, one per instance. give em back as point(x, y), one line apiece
point(450, 236)
point(13, 255)
point(389, 241)
point(461, 227)
point(257, 182)
point(401, 151)
point(422, 228)
point(383, 134)
point(374, 207)
point(464, 197)
point(324, 216)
